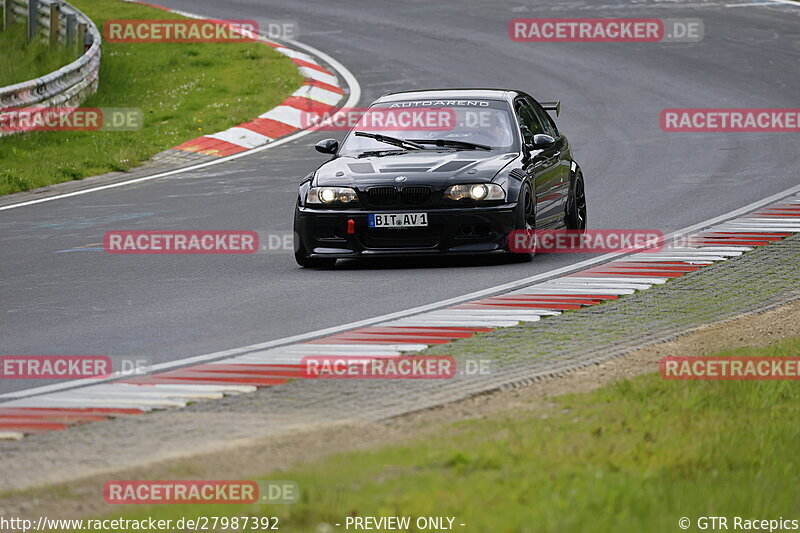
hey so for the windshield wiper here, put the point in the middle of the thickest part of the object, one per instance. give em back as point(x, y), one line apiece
point(396, 141)
point(381, 153)
point(454, 143)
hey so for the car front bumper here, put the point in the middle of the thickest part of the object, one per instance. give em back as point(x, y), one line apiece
point(456, 231)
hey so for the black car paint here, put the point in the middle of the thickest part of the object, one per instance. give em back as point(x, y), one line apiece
point(550, 172)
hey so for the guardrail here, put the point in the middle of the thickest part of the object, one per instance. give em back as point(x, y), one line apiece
point(63, 23)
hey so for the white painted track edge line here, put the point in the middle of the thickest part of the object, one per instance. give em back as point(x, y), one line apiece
point(784, 2)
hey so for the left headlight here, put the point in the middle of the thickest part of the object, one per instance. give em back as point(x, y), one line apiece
point(476, 191)
point(331, 195)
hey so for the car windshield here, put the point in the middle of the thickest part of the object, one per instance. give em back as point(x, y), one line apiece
point(467, 122)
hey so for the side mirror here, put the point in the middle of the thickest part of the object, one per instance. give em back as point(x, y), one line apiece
point(327, 146)
point(542, 141)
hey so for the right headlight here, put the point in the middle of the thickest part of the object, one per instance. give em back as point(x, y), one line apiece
point(331, 195)
point(475, 191)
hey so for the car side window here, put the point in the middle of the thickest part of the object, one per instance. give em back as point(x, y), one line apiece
point(549, 124)
point(528, 118)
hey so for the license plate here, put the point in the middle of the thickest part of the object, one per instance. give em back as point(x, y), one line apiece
point(398, 220)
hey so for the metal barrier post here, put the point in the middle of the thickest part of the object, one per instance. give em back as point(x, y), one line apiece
point(33, 19)
point(81, 38)
point(71, 19)
point(8, 13)
point(55, 22)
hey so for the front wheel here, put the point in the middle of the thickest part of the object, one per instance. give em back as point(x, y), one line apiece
point(525, 221)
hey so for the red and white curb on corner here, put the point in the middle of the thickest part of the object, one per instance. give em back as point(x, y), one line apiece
point(404, 335)
point(319, 94)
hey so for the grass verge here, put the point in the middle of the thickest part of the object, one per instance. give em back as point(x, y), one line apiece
point(634, 456)
point(23, 61)
point(184, 91)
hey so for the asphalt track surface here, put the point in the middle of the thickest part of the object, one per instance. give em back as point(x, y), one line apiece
point(55, 299)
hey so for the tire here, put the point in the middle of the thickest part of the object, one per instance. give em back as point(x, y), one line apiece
point(301, 254)
point(575, 215)
point(526, 221)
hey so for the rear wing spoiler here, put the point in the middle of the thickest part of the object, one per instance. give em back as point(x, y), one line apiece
point(553, 106)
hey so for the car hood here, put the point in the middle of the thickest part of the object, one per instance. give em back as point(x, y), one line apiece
point(434, 167)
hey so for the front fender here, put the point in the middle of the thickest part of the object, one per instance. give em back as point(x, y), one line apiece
point(303, 190)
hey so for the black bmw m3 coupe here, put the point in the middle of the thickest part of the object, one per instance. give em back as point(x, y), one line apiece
point(448, 171)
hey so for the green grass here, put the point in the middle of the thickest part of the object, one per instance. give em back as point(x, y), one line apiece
point(184, 90)
point(23, 61)
point(634, 456)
